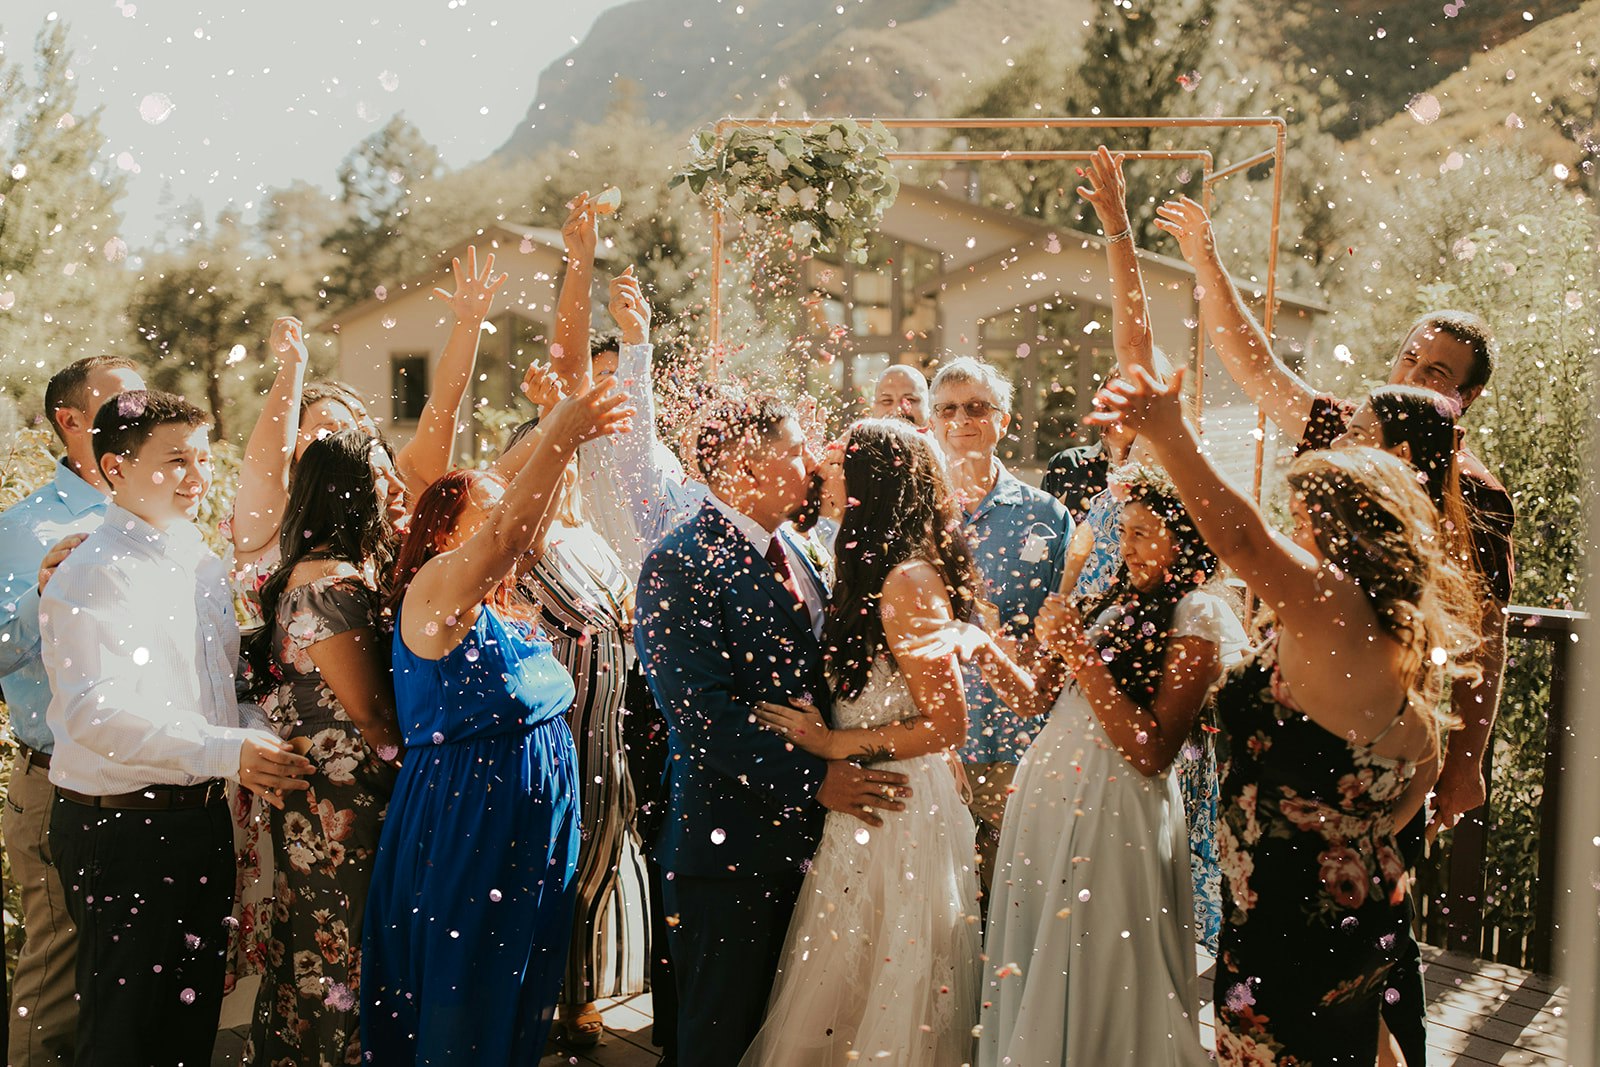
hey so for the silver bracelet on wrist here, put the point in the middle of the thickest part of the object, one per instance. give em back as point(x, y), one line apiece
point(1113, 238)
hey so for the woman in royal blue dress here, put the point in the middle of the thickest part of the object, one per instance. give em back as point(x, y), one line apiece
point(472, 893)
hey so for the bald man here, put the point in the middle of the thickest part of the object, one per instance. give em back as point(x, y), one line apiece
point(901, 392)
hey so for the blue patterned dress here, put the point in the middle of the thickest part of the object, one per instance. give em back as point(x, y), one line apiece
point(471, 905)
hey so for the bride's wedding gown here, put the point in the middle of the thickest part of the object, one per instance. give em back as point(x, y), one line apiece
point(882, 953)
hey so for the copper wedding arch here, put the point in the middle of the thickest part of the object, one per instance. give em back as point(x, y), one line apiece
point(1210, 176)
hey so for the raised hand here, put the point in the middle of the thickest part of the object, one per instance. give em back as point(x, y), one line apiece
point(287, 341)
point(474, 291)
point(541, 386)
point(586, 415)
point(862, 792)
point(1140, 403)
point(1188, 223)
point(629, 309)
point(801, 725)
point(1107, 191)
point(581, 232)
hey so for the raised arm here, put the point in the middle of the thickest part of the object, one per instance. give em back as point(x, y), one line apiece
point(1282, 574)
point(1130, 324)
point(1234, 333)
point(569, 355)
point(914, 602)
point(264, 472)
point(426, 457)
point(442, 603)
point(1148, 740)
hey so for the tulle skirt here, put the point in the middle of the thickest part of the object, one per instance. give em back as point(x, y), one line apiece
point(882, 954)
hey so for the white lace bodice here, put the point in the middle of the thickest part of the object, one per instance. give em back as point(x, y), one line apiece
point(885, 699)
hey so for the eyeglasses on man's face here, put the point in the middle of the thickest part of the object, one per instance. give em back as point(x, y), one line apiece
point(975, 409)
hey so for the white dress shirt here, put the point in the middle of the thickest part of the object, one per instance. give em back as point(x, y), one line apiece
point(140, 644)
point(761, 538)
point(644, 492)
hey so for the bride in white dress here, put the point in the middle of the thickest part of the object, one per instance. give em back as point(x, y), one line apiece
point(881, 963)
point(1091, 946)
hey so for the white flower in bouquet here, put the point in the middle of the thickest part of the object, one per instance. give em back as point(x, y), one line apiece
point(808, 199)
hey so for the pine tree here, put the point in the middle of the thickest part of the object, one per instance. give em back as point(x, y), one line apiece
point(380, 181)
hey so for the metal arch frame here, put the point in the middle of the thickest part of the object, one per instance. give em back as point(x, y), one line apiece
point(1210, 177)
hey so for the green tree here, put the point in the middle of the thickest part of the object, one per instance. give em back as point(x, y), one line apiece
point(59, 247)
point(379, 181)
point(202, 315)
point(1141, 57)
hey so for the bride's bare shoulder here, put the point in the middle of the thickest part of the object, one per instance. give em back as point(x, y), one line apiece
point(915, 583)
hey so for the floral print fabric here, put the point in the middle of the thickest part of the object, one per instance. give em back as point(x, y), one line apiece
point(1313, 899)
point(323, 843)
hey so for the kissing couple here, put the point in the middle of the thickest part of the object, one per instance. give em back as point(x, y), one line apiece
point(817, 854)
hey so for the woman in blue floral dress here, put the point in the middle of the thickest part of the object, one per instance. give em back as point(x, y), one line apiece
point(1331, 733)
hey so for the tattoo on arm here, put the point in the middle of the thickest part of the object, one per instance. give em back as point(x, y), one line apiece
point(875, 754)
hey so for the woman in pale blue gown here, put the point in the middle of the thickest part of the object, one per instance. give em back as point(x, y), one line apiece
point(1090, 947)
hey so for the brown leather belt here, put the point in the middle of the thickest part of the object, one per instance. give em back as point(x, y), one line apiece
point(33, 757)
point(155, 798)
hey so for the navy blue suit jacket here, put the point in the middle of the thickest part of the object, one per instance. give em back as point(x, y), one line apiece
point(717, 633)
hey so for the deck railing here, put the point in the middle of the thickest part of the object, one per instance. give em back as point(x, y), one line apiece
point(1455, 891)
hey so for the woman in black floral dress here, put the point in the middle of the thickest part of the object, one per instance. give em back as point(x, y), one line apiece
point(1331, 732)
point(324, 662)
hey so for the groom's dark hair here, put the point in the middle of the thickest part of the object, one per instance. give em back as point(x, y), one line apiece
point(732, 422)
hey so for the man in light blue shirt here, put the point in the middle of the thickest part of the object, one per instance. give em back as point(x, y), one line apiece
point(44, 1013)
point(1019, 539)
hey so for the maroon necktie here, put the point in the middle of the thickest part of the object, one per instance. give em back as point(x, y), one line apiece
point(780, 563)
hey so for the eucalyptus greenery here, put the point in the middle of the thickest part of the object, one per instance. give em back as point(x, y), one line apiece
point(828, 185)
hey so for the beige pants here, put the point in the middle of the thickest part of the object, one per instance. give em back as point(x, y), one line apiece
point(991, 785)
point(44, 1009)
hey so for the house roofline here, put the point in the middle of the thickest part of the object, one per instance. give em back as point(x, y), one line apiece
point(538, 234)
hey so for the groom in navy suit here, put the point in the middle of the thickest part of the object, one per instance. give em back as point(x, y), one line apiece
point(729, 614)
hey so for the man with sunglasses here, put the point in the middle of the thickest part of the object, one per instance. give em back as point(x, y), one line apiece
point(1019, 536)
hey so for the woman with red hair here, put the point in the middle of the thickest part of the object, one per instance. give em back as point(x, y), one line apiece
point(471, 903)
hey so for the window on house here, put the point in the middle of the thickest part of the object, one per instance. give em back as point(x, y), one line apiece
point(408, 384)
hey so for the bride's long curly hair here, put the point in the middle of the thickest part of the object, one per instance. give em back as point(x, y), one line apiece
point(1373, 521)
point(899, 507)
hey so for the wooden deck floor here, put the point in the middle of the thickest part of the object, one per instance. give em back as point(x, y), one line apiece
point(1478, 1013)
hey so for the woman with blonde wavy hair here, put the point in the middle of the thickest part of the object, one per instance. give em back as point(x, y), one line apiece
point(1332, 731)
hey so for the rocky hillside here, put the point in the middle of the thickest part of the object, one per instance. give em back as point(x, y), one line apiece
point(684, 62)
point(1480, 66)
point(1503, 95)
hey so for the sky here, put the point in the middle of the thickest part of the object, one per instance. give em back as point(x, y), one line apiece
point(220, 100)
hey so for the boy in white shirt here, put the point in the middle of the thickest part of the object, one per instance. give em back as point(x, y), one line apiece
point(139, 642)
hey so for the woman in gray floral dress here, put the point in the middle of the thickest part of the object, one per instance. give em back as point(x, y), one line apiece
point(323, 670)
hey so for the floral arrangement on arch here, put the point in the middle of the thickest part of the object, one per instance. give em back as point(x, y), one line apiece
point(829, 184)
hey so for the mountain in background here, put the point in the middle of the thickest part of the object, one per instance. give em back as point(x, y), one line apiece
point(685, 62)
point(682, 63)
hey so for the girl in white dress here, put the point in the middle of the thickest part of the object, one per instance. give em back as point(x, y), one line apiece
point(881, 961)
point(1090, 949)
